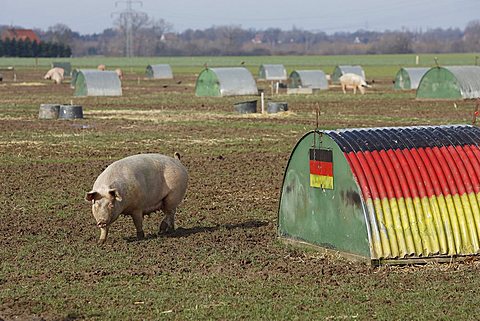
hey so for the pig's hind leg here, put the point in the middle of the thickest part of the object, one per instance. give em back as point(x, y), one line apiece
point(168, 223)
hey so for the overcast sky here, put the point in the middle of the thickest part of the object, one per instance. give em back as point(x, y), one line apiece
point(93, 16)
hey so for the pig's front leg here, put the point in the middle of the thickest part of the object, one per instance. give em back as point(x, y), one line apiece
point(138, 221)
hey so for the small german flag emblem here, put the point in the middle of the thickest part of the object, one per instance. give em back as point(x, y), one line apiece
point(321, 168)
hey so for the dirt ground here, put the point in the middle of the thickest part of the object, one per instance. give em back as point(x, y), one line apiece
point(227, 224)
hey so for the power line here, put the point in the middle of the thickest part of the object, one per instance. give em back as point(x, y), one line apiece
point(128, 14)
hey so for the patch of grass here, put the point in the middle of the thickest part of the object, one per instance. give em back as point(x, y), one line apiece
point(224, 261)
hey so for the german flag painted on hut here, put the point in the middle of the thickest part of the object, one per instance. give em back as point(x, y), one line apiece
point(321, 168)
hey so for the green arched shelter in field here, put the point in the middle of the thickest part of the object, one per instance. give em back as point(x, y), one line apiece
point(160, 71)
point(346, 69)
point(97, 83)
point(409, 78)
point(385, 194)
point(454, 82)
point(218, 82)
point(314, 79)
point(272, 72)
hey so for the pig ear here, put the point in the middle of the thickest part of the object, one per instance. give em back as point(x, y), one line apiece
point(90, 196)
point(115, 195)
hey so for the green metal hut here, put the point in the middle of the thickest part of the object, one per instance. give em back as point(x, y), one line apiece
point(217, 82)
point(385, 195)
point(455, 82)
point(341, 70)
point(272, 72)
point(409, 78)
point(91, 82)
point(160, 71)
point(314, 79)
point(74, 78)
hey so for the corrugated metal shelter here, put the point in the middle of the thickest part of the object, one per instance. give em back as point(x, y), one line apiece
point(235, 81)
point(409, 78)
point(91, 82)
point(314, 79)
point(454, 82)
point(74, 78)
point(67, 67)
point(385, 194)
point(272, 72)
point(341, 70)
point(160, 71)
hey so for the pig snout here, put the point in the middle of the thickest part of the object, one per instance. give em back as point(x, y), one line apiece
point(103, 234)
point(102, 224)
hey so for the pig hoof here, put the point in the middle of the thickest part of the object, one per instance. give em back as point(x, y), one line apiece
point(140, 235)
point(165, 228)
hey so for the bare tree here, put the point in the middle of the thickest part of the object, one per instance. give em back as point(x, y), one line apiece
point(394, 42)
point(472, 36)
point(60, 33)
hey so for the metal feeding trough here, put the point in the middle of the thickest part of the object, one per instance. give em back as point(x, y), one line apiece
point(276, 106)
point(70, 112)
point(246, 107)
point(48, 111)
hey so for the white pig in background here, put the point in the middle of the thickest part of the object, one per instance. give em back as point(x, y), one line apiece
point(57, 78)
point(353, 81)
point(56, 74)
point(119, 73)
point(138, 185)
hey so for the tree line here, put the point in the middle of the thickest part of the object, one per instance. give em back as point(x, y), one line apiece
point(154, 37)
point(28, 48)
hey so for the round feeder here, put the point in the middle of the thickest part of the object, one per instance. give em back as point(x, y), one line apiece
point(246, 107)
point(70, 112)
point(48, 111)
point(276, 106)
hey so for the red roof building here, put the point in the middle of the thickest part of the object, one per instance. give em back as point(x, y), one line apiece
point(20, 34)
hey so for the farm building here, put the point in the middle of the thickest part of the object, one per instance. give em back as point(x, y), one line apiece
point(234, 81)
point(97, 83)
point(161, 71)
point(341, 70)
point(67, 67)
point(20, 35)
point(314, 79)
point(408, 78)
point(385, 194)
point(272, 72)
point(456, 82)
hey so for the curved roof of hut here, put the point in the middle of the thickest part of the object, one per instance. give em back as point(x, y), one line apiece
point(272, 72)
point(352, 69)
point(160, 71)
point(312, 78)
point(235, 81)
point(468, 78)
point(100, 83)
point(415, 75)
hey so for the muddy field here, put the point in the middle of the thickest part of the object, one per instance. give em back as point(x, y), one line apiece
point(224, 261)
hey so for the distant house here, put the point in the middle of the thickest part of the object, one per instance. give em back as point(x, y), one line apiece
point(258, 38)
point(168, 37)
point(20, 34)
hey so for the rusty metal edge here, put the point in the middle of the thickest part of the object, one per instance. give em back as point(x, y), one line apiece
point(426, 260)
point(303, 244)
point(378, 263)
